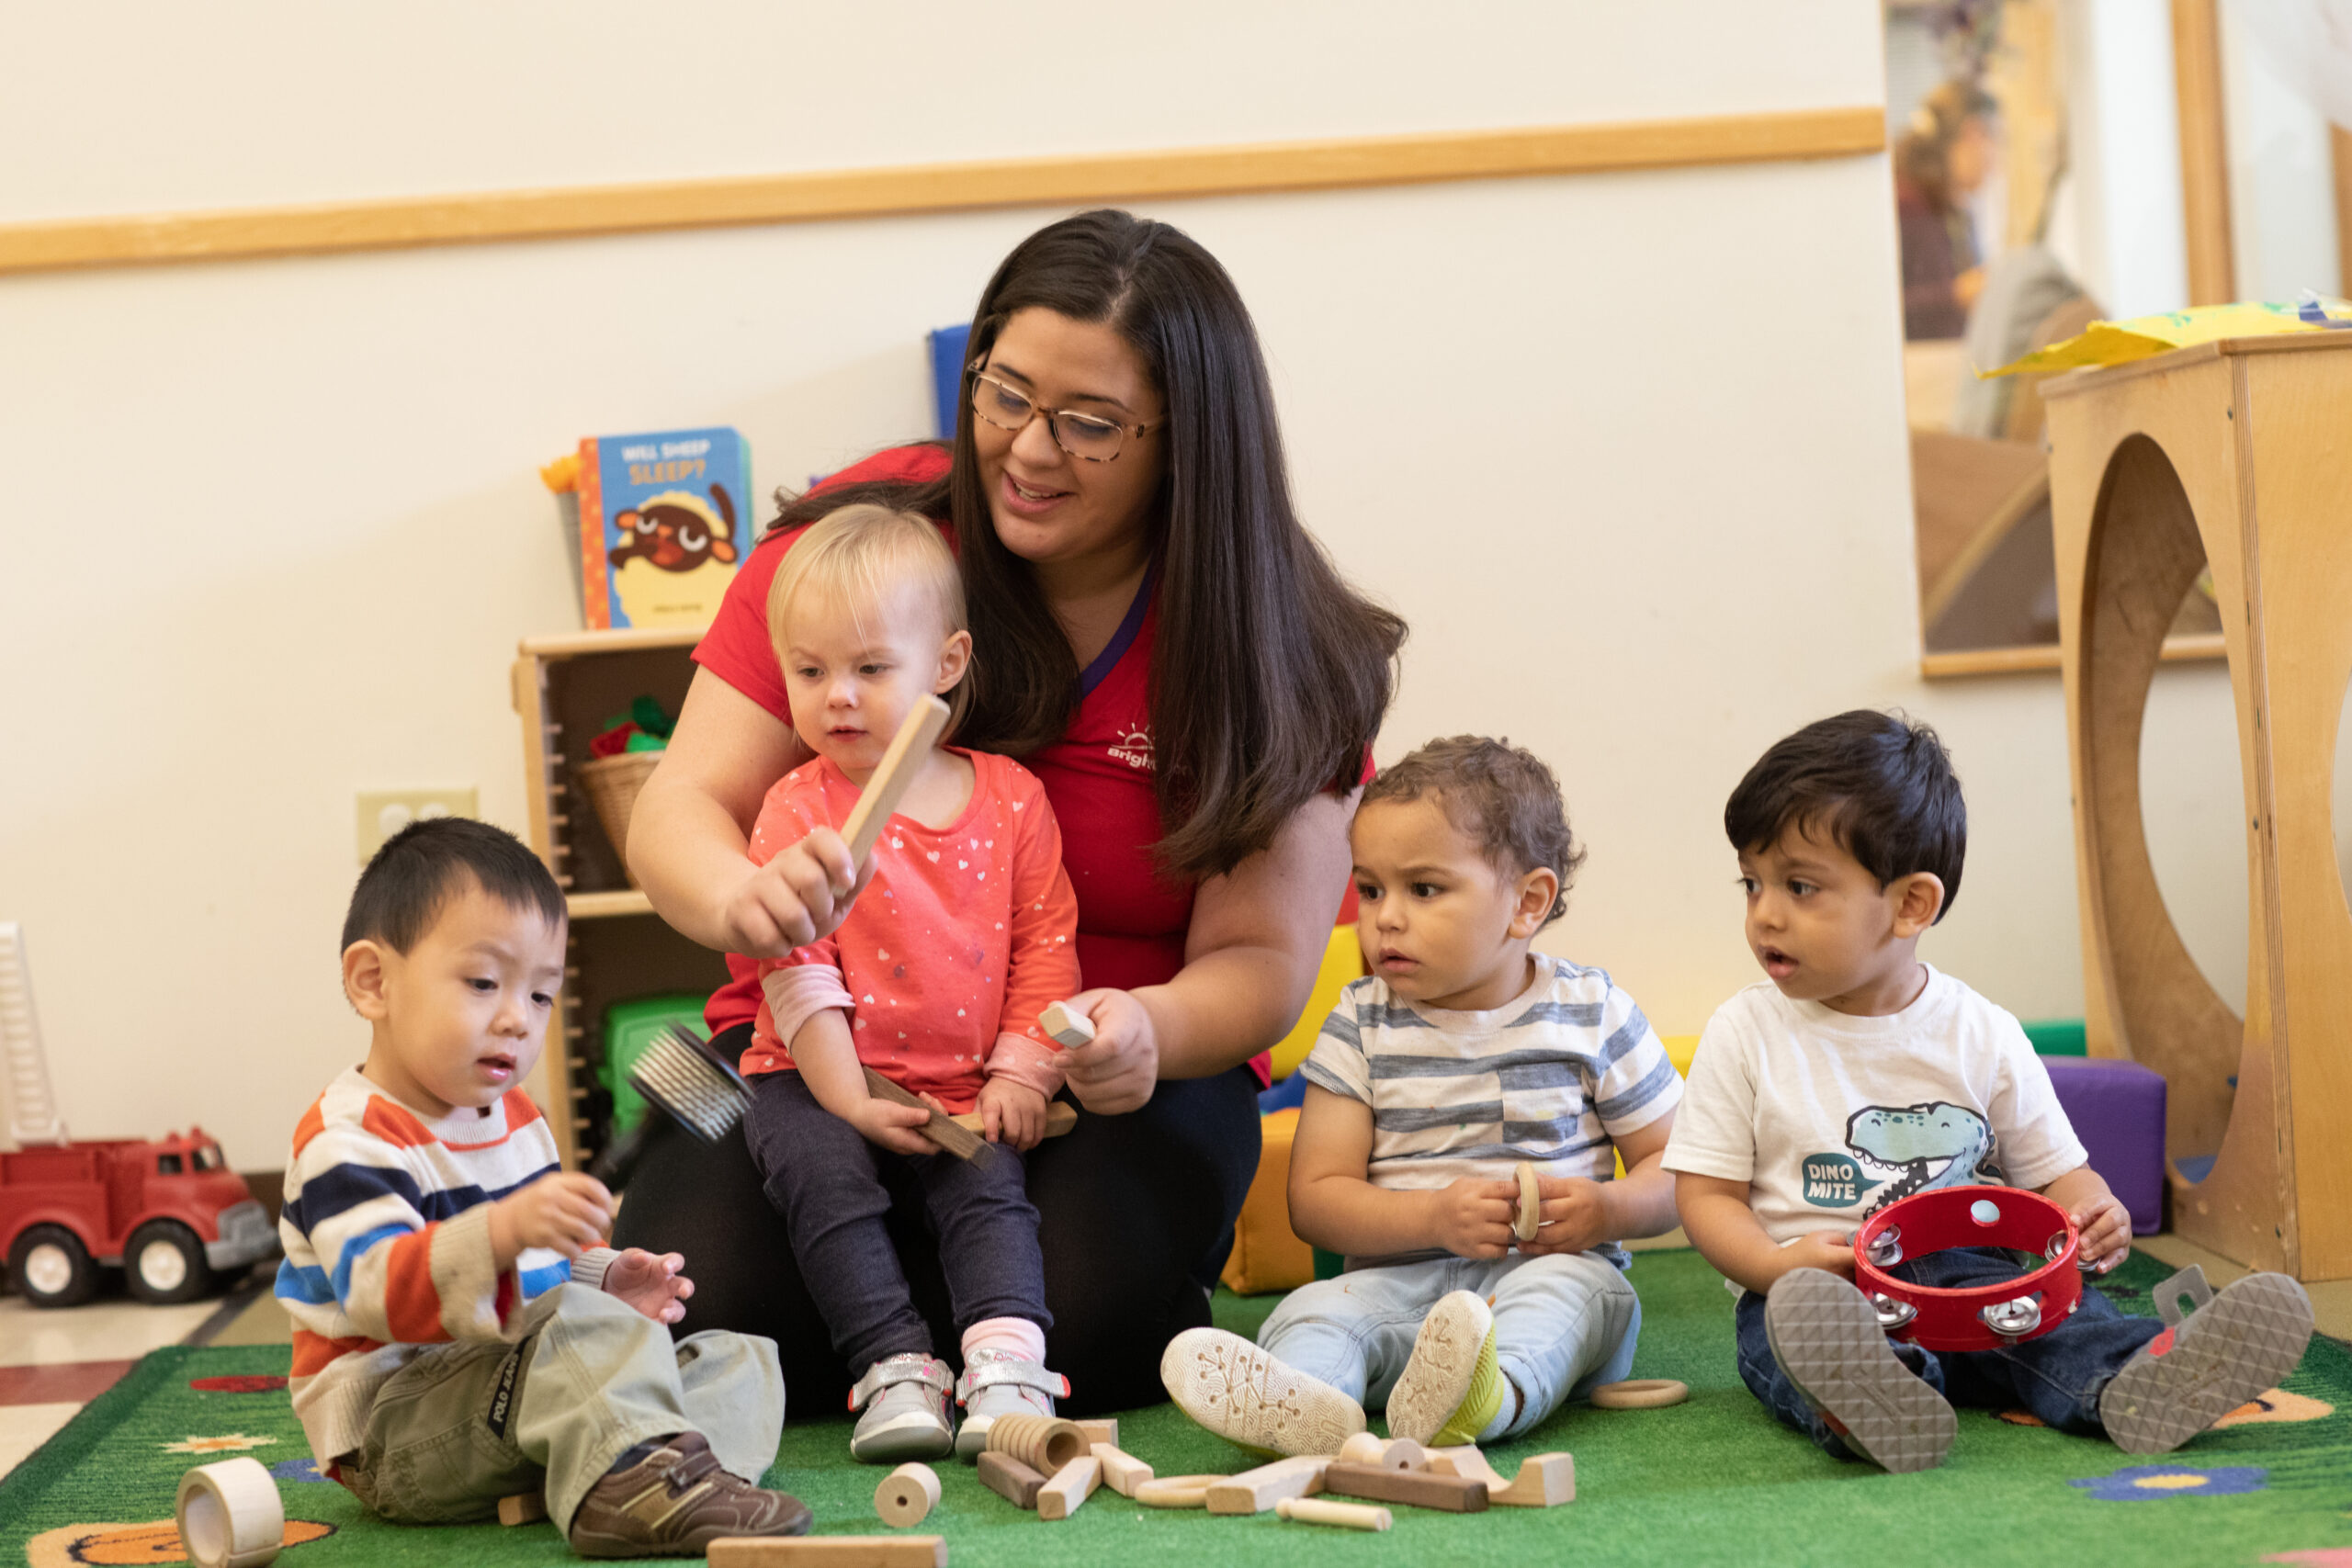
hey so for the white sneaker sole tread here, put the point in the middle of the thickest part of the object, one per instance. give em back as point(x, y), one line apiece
point(1444, 1363)
point(1245, 1396)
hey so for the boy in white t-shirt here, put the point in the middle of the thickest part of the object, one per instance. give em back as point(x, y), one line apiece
point(1463, 1054)
point(1860, 1076)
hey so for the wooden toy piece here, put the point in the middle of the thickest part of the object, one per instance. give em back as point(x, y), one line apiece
point(1177, 1491)
point(1066, 1026)
point(523, 1508)
point(1122, 1471)
point(1423, 1488)
point(230, 1516)
point(1640, 1393)
point(1102, 1430)
point(1403, 1453)
point(1072, 1484)
point(1531, 1206)
point(1044, 1443)
point(1060, 1117)
point(1010, 1479)
point(1364, 1447)
point(907, 1496)
point(829, 1552)
point(1466, 1460)
point(942, 1129)
point(1544, 1480)
point(902, 764)
point(1255, 1491)
point(1322, 1511)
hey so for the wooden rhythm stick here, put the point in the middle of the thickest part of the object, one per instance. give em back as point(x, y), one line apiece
point(943, 1130)
point(900, 766)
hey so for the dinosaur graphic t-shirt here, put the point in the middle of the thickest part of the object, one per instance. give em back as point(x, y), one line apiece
point(1827, 1117)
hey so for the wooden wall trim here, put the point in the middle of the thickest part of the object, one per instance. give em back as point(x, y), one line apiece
point(2339, 146)
point(1084, 179)
point(2204, 151)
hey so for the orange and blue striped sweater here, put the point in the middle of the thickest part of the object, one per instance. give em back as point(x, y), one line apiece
point(385, 1227)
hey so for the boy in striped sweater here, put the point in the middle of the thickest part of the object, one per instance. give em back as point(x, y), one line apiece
point(1463, 1054)
point(460, 1334)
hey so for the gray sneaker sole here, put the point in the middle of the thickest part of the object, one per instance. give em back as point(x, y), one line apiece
point(1825, 1336)
point(896, 1444)
point(2244, 1342)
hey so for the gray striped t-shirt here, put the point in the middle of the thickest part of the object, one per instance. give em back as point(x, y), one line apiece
point(1551, 1077)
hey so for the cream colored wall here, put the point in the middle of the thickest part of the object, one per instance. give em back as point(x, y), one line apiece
point(1627, 449)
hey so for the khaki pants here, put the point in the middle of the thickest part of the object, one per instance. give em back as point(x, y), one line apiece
point(464, 1425)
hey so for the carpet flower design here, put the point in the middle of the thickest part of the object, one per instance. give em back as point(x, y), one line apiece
point(304, 1468)
point(231, 1443)
point(2146, 1482)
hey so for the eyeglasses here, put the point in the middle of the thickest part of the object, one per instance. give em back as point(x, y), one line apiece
point(1086, 435)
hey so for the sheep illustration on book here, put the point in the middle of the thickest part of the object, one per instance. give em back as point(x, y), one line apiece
point(674, 557)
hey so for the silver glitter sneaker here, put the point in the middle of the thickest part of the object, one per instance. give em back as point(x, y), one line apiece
point(905, 1411)
point(998, 1382)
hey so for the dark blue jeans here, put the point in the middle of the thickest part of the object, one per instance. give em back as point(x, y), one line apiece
point(826, 1180)
point(2057, 1377)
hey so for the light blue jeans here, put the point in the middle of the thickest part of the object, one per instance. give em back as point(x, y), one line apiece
point(1564, 1324)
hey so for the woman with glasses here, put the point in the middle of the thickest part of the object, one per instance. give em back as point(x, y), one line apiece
point(1159, 641)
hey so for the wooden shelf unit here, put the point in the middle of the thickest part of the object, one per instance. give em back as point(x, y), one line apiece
point(565, 688)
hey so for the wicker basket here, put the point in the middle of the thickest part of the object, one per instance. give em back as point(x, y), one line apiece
point(612, 782)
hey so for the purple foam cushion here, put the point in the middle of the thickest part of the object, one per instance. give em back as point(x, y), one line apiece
point(2118, 1110)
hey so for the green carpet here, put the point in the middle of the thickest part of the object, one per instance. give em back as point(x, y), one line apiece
point(1714, 1481)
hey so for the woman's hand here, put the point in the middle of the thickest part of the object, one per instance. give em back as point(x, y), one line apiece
point(801, 894)
point(1117, 1071)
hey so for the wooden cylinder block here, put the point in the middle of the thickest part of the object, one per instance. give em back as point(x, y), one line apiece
point(1042, 1442)
point(907, 1496)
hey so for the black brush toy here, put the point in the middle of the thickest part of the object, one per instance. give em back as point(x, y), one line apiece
point(689, 1085)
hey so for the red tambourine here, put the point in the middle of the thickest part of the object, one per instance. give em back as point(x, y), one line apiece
point(1986, 1318)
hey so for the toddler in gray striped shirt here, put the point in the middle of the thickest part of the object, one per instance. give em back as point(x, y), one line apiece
point(1461, 1056)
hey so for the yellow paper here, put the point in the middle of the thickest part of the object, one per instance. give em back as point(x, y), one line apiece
point(2119, 343)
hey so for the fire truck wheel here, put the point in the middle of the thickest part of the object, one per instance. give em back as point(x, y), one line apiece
point(165, 1262)
point(50, 1268)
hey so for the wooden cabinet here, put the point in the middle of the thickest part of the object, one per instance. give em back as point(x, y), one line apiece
point(566, 688)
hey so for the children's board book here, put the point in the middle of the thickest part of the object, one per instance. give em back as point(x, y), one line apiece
point(662, 525)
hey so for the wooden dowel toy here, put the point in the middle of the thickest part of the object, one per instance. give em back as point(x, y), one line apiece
point(902, 764)
point(1255, 1491)
point(829, 1552)
point(1072, 1484)
point(1102, 1430)
point(1364, 1447)
point(1531, 1206)
point(1122, 1471)
point(1010, 1479)
point(523, 1508)
point(1044, 1443)
point(907, 1496)
point(942, 1129)
point(1323, 1511)
point(1385, 1454)
point(1178, 1491)
point(1640, 1393)
point(1060, 1117)
point(1066, 1026)
point(1423, 1489)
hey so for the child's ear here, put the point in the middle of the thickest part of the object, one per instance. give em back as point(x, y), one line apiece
point(955, 658)
point(1918, 899)
point(363, 979)
point(1538, 891)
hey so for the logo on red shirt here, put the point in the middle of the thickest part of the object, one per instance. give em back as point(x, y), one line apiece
point(1134, 748)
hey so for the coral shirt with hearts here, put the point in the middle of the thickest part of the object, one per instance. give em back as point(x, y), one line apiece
point(962, 937)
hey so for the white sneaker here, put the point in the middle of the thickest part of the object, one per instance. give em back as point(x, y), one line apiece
point(998, 1382)
point(906, 1414)
point(1249, 1397)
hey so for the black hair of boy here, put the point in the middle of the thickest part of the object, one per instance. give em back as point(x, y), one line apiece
point(1500, 795)
point(424, 865)
point(1879, 786)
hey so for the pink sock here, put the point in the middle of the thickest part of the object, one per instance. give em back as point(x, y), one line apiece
point(1016, 1336)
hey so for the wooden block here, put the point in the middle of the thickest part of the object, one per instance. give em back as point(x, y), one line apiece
point(1066, 1026)
point(1640, 1393)
point(830, 1551)
point(1530, 1205)
point(1060, 1117)
point(1255, 1491)
point(1072, 1484)
point(1468, 1461)
point(942, 1129)
point(1423, 1489)
point(523, 1508)
point(907, 1496)
point(1323, 1511)
point(1102, 1430)
point(902, 764)
point(1044, 1443)
point(1177, 1491)
point(1544, 1480)
point(1010, 1479)
point(1122, 1471)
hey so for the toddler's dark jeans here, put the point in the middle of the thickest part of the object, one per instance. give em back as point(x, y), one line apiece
point(2058, 1377)
point(826, 1180)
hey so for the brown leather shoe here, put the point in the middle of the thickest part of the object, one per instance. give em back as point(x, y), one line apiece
point(675, 1502)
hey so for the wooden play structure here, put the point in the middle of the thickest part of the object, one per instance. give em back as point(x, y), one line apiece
point(2236, 455)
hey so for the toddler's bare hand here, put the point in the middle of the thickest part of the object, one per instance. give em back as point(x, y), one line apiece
point(892, 1125)
point(1832, 1250)
point(567, 1211)
point(1473, 1218)
point(1012, 1113)
point(655, 1285)
point(2106, 1227)
point(1575, 1213)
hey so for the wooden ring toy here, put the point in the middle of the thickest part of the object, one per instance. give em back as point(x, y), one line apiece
point(1044, 1443)
point(1178, 1491)
point(1640, 1393)
point(1985, 1317)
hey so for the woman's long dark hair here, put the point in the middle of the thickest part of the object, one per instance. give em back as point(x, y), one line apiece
point(1270, 674)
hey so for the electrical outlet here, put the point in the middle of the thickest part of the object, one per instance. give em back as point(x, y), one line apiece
point(384, 812)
